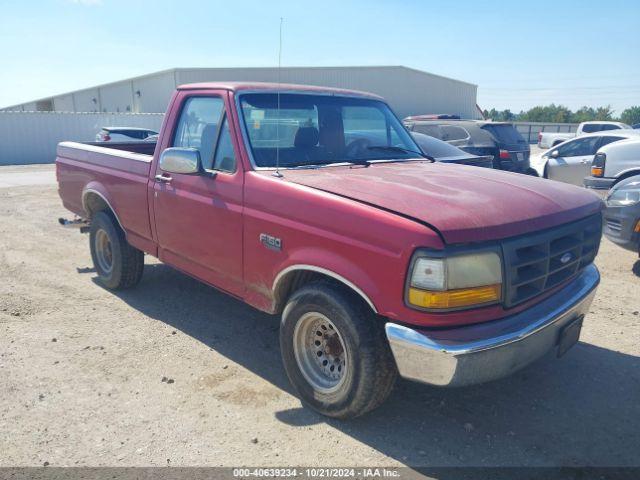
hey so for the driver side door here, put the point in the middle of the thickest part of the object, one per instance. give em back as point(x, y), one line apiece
point(198, 217)
point(573, 161)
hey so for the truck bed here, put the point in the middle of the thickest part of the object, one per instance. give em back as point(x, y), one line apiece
point(116, 173)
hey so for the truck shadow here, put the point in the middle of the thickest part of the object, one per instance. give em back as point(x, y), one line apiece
point(582, 410)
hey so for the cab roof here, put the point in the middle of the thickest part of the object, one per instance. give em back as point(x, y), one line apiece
point(276, 87)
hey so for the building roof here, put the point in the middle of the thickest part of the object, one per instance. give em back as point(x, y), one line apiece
point(285, 69)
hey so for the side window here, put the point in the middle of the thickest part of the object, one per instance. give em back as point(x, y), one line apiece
point(579, 147)
point(225, 159)
point(609, 126)
point(607, 140)
point(198, 126)
point(452, 132)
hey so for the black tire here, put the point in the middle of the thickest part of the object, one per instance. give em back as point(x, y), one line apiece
point(127, 262)
point(371, 371)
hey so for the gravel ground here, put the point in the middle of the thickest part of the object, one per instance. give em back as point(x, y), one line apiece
point(175, 373)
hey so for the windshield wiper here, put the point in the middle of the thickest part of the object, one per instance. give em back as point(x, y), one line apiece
point(359, 161)
point(393, 148)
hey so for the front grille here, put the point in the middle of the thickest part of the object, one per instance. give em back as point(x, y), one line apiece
point(539, 262)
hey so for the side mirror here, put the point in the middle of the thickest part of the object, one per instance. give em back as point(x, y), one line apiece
point(555, 154)
point(181, 160)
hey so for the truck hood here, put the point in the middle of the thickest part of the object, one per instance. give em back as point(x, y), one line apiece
point(464, 204)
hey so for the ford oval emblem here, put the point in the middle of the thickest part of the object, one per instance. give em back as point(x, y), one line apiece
point(566, 258)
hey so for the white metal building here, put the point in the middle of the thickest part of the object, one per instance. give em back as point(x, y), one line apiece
point(408, 91)
point(31, 137)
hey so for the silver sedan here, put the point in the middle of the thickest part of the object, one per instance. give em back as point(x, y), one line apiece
point(570, 161)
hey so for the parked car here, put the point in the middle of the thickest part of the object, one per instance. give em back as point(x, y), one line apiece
point(551, 139)
point(499, 140)
point(635, 125)
point(444, 152)
point(123, 134)
point(622, 215)
point(614, 163)
point(570, 161)
point(379, 261)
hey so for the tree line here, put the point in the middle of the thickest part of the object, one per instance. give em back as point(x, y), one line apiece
point(561, 114)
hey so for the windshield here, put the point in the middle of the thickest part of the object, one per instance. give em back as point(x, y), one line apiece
point(322, 129)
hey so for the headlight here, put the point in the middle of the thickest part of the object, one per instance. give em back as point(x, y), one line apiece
point(626, 196)
point(455, 282)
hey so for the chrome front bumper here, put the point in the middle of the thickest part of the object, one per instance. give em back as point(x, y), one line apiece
point(487, 351)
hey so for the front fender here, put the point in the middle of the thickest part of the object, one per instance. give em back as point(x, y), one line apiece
point(332, 265)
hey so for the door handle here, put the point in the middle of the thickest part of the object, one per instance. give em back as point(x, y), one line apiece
point(162, 178)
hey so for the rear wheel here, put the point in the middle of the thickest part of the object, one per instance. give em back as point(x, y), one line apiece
point(117, 263)
point(335, 352)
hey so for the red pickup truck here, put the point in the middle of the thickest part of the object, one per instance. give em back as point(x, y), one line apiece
point(317, 205)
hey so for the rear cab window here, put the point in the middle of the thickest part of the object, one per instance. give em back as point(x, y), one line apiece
point(591, 128)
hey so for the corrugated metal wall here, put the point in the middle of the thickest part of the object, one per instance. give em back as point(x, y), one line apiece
point(408, 91)
point(530, 130)
point(31, 137)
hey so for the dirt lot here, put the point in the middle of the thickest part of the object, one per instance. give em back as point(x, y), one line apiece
point(174, 372)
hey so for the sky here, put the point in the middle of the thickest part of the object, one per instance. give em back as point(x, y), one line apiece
point(520, 54)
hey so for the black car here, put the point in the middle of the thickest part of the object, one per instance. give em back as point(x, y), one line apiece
point(444, 152)
point(501, 141)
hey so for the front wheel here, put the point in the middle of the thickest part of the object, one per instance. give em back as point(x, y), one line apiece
point(117, 263)
point(335, 352)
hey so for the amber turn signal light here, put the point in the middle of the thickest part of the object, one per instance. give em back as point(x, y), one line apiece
point(463, 297)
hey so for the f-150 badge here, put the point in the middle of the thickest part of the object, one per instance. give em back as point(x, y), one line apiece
point(271, 242)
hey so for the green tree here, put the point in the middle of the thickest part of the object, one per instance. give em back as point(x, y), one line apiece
point(500, 116)
point(631, 115)
point(549, 113)
point(604, 113)
point(583, 114)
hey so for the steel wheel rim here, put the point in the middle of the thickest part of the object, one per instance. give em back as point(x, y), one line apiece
point(320, 352)
point(104, 252)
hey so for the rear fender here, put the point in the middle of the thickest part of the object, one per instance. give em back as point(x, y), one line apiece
point(95, 197)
